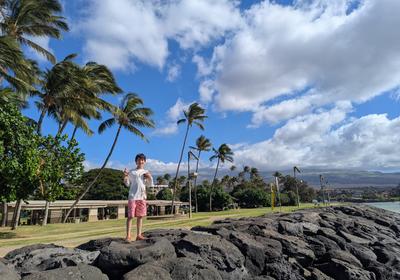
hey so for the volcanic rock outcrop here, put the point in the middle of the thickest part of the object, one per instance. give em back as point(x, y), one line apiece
point(344, 242)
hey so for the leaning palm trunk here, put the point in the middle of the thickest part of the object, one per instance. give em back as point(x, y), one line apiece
point(97, 176)
point(40, 121)
point(177, 170)
point(212, 185)
point(73, 133)
point(17, 214)
point(61, 128)
point(46, 213)
point(4, 217)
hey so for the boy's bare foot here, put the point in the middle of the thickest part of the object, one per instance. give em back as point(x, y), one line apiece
point(140, 237)
point(128, 238)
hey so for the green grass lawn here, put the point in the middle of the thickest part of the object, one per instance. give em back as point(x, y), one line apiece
point(75, 234)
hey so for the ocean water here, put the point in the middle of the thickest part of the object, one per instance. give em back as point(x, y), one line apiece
point(391, 206)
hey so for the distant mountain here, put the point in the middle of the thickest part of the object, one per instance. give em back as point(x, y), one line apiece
point(350, 178)
point(336, 178)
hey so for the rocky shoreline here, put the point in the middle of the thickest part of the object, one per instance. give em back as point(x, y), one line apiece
point(344, 242)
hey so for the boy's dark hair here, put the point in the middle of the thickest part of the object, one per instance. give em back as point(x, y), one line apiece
point(140, 156)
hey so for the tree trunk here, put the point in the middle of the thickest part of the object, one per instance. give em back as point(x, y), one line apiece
point(195, 183)
point(177, 170)
point(17, 214)
point(40, 121)
point(189, 187)
point(5, 213)
point(46, 213)
point(279, 193)
point(212, 185)
point(97, 176)
point(73, 133)
point(61, 128)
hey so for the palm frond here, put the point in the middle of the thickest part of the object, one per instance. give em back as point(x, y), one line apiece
point(49, 56)
point(136, 131)
point(106, 124)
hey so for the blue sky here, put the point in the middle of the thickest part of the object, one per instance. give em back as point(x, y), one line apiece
point(307, 83)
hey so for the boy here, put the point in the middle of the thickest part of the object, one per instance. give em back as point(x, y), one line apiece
point(137, 179)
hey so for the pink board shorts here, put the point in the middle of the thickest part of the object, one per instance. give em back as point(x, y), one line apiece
point(137, 208)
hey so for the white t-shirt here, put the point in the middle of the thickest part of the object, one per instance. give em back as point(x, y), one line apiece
point(137, 184)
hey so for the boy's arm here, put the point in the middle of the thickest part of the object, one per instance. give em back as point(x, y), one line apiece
point(126, 181)
point(148, 180)
point(126, 178)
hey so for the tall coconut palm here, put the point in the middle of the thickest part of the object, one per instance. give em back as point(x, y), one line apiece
point(71, 93)
point(224, 153)
point(96, 80)
point(58, 85)
point(202, 145)
point(131, 116)
point(193, 115)
point(26, 19)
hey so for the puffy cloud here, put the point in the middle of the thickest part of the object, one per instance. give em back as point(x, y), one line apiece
point(120, 33)
point(328, 140)
point(173, 72)
point(342, 50)
point(173, 115)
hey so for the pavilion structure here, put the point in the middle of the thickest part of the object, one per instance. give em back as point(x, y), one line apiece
point(86, 210)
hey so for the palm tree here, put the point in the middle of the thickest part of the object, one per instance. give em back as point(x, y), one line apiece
point(224, 153)
point(19, 72)
point(193, 115)
point(58, 85)
point(202, 144)
point(70, 93)
point(129, 116)
point(22, 19)
point(96, 80)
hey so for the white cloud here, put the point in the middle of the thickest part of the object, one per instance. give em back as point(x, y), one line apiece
point(328, 140)
point(173, 114)
point(206, 91)
point(155, 166)
point(280, 50)
point(173, 72)
point(120, 33)
point(115, 164)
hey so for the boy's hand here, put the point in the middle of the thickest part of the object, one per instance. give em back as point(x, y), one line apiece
point(147, 175)
point(126, 173)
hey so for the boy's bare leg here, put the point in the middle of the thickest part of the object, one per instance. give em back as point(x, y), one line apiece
point(128, 229)
point(139, 225)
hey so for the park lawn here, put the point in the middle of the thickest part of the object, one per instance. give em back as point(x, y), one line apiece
point(74, 234)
